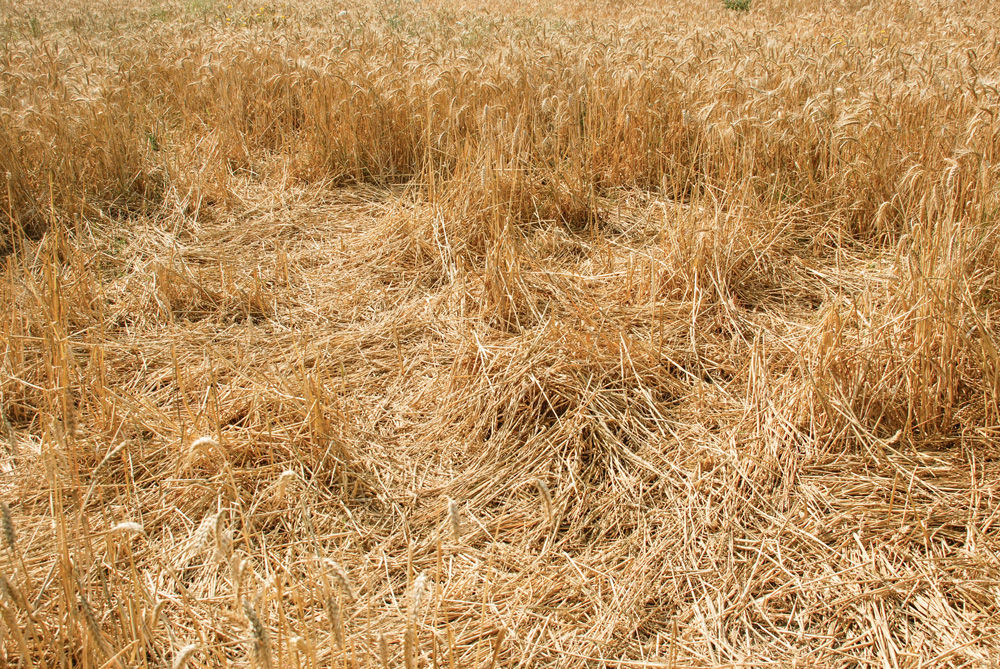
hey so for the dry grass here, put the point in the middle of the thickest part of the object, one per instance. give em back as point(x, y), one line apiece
point(476, 335)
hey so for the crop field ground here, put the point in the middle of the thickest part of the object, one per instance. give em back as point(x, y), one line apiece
point(471, 334)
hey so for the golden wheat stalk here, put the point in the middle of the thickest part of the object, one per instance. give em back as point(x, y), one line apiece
point(342, 579)
point(10, 538)
point(455, 519)
point(260, 639)
point(184, 655)
point(543, 490)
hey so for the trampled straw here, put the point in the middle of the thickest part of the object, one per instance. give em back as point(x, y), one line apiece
point(690, 310)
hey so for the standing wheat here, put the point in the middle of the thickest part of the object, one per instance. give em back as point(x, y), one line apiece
point(260, 637)
point(8, 527)
point(456, 520)
point(340, 575)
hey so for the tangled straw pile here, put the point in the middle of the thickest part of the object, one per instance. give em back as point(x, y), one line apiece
point(476, 335)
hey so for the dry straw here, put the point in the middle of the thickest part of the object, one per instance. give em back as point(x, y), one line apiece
point(712, 309)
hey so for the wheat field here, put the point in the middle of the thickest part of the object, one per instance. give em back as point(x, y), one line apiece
point(464, 334)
